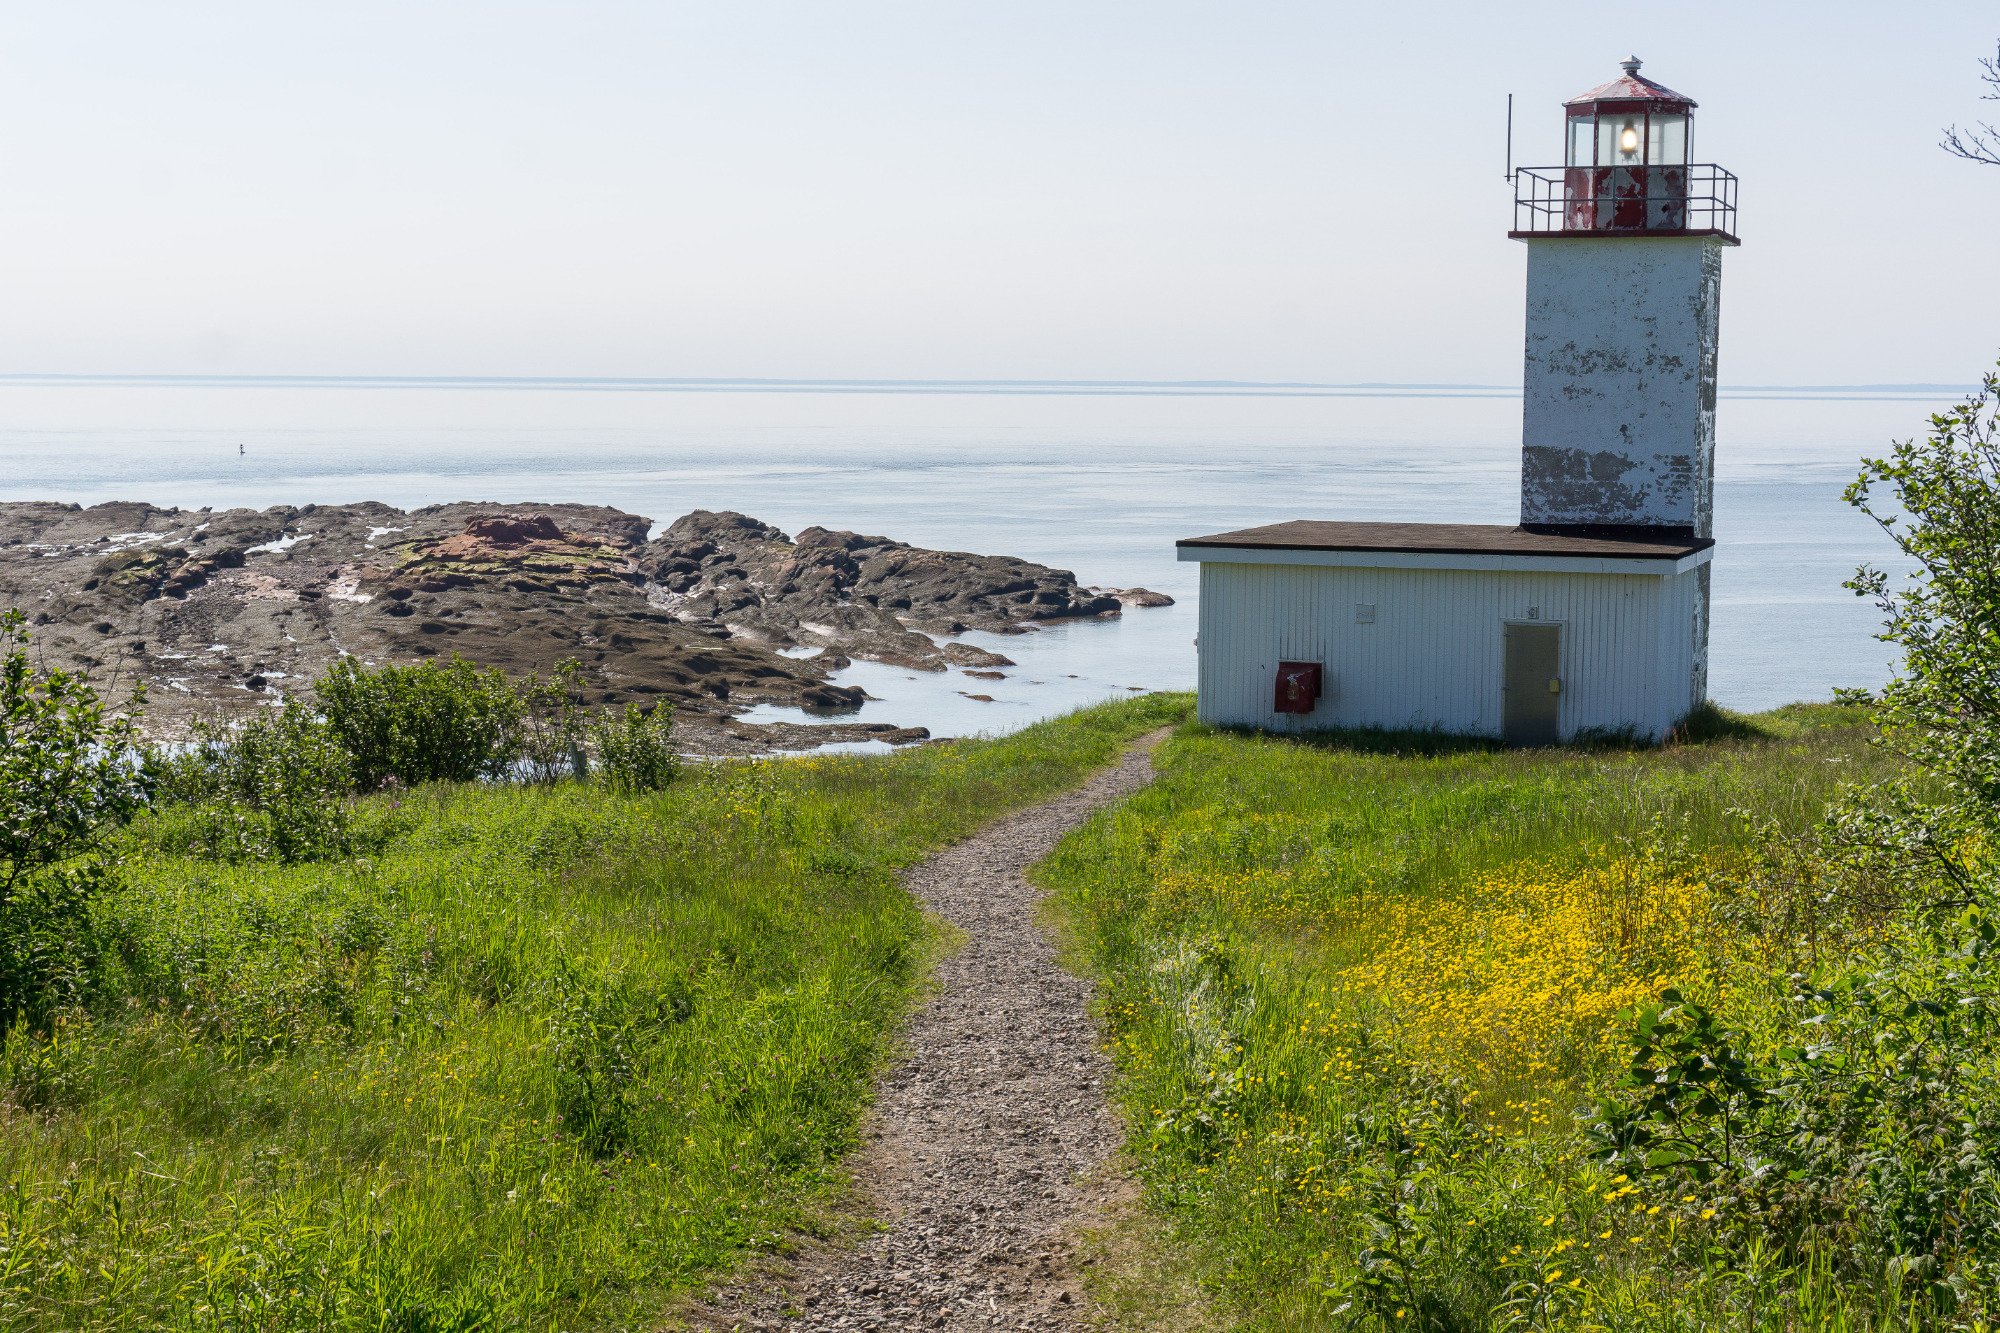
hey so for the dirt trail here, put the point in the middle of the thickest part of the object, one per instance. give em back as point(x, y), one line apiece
point(979, 1152)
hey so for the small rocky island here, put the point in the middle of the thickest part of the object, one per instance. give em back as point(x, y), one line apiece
point(217, 610)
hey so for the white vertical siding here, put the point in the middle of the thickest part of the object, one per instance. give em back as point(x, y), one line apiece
point(1684, 641)
point(1433, 657)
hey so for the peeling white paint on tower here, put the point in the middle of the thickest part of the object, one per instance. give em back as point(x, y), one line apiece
point(1618, 390)
point(1591, 614)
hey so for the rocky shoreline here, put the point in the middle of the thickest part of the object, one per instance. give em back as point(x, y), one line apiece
point(217, 611)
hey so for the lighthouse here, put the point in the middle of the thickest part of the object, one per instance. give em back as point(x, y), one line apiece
point(1624, 282)
point(1588, 615)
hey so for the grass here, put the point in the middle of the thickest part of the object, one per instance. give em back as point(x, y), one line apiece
point(544, 1059)
point(1358, 986)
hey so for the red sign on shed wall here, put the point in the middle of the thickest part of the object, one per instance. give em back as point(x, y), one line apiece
point(1298, 687)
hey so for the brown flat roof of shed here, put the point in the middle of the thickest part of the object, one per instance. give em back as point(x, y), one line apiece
point(1307, 534)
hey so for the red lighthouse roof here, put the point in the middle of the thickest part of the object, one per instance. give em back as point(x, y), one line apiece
point(1632, 86)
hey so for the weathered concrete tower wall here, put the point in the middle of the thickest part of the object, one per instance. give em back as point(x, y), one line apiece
point(1618, 423)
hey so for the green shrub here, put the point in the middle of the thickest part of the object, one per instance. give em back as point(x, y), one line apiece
point(274, 788)
point(432, 722)
point(1940, 712)
point(66, 770)
point(1853, 1121)
point(550, 732)
point(1845, 1121)
point(634, 751)
point(68, 776)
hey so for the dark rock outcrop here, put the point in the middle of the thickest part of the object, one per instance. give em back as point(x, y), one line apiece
point(235, 608)
point(869, 596)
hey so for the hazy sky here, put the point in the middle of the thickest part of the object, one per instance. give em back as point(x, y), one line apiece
point(943, 189)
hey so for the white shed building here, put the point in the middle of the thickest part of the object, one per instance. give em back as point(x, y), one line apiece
point(1591, 613)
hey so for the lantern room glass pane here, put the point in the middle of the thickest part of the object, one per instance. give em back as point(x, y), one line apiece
point(1667, 141)
point(1621, 140)
point(1582, 132)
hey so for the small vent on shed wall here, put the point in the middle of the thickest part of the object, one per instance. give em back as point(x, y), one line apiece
point(1364, 613)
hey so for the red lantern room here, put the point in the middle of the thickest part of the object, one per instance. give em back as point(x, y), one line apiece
point(1627, 169)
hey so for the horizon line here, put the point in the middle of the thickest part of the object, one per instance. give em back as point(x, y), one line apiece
point(1221, 388)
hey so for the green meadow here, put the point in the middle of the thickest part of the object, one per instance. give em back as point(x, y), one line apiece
point(522, 1057)
point(1367, 994)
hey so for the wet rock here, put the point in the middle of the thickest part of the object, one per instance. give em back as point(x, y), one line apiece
point(970, 655)
point(517, 587)
point(831, 698)
point(514, 529)
point(765, 737)
point(1142, 597)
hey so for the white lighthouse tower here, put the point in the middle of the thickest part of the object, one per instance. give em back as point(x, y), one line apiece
point(1624, 278)
point(1591, 613)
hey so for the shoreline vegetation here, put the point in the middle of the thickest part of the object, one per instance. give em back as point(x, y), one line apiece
point(503, 1055)
point(522, 1054)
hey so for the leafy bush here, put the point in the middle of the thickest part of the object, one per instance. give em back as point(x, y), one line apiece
point(66, 770)
point(634, 752)
point(550, 732)
point(1942, 711)
point(1869, 1141)
point(273, 788)
point(68, 776)
point(432, 722)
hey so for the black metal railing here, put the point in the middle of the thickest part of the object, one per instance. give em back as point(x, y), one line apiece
point(1698, 199)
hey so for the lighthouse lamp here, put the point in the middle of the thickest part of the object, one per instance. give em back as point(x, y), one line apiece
point(1627, 168)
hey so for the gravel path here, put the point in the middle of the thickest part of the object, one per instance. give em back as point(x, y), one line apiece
point(982, 1145)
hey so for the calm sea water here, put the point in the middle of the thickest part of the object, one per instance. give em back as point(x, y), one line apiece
point(1100, 482)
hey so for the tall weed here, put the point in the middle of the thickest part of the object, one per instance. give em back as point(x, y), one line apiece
point(552, 724)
